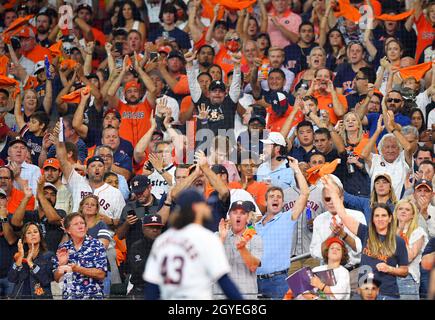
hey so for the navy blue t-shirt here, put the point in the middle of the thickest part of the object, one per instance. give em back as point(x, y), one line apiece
point(219, 210)
point(34, 143)
point(121, 159)
point(296, 57)
point(180, 36)
point(373, 123)
point(344, 77)
point(400, 258)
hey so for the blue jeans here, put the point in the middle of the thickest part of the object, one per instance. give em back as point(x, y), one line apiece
point(6, 287)
point(274, 288)
point(424, 282)
point(107, 283)
point(408, 288)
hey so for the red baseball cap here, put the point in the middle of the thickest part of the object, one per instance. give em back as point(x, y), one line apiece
point(332, 240)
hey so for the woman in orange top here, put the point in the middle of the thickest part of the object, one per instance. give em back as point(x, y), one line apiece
point(352, 133)
point(424, 24)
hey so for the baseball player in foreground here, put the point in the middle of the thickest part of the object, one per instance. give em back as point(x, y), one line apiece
point(187, 259)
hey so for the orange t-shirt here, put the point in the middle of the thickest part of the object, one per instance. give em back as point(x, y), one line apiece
point(99, 36)
point(256, 189)
point(15, 199)
point(325, 103)
point(38, 53)
point(275, 123)
point(135, 120)
point(425, 36)
point(182, 86)
point(223, 59)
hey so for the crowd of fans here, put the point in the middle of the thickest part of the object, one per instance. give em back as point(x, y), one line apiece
point(309, 122)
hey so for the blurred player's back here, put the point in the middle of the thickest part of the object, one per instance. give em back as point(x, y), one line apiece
point(184, 263)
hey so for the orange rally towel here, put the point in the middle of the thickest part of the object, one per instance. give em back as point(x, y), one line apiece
point(8, 82)
point(348, 11)
point(395, 17)
point(416, 71)
point(4, 60)
point(56, 49)
point(68, 64)
point(18, 23)
point(75, 96)
point(316, 172)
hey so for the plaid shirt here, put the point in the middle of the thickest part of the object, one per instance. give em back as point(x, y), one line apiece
point(245, 280)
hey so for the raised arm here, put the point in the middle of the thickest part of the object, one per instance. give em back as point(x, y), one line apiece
point(334, 191)
point(338, 107)
point(18, 216)
point(194, 87)
point(264, 20)
point(48, 98)
point(143, 143)
point(194, 30)
point(209, 33)
point(214, 180)
point(47, 208)
point(61, 153)
point(149, 83)
point(77, 122)
point(235, 87)
point(111, 93)
point(366, 153)
point(286, 127)
point(301, 202)
point(393, 128)
point(19, 117)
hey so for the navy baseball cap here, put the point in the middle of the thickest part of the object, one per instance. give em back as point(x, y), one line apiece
point(246, 206)
point(175, 54)
point(423, 182)
point(259, 119)
point(219, 169)
point(93, 159)
point(217, 84)
point(152, 220)
point(16, 140)
point(139, 184)
point(187, 197)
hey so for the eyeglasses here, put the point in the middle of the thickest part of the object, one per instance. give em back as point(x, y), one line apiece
point(394, 100)
point(5, 178)
point(234, 39)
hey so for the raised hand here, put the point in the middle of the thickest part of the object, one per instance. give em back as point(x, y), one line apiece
point(62, 256)
point(201, 158)
point(89, 48)
point(190, 55)
point(294, 164)
point(379, 126)
point(224, 226)
point(156, 162)
point(203, 112)
point(108, 46)
point(16, 169)
point(236, 57)
point(40, 185)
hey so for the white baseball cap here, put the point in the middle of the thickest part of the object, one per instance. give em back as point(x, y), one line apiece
point(275, 138)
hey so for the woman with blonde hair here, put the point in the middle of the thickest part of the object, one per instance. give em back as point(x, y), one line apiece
point(316, 60)
point(383, 251)
point(406, 219)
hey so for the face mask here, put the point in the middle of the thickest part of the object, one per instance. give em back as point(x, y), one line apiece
point(233, 46)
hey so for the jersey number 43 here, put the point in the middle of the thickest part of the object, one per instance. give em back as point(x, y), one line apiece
point(172, 269)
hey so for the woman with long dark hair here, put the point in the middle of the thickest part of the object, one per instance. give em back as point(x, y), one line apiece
point(32, 271)
point(129, 18)
point(384, 252)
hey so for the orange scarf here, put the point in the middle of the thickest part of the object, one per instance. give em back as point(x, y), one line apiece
point(418, 71)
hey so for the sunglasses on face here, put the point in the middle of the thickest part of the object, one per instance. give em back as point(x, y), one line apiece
point(394, 100)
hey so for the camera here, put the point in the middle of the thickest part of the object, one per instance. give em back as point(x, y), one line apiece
point(350, 167)
point(131, 213)
point(119, 47)
point(154, 56)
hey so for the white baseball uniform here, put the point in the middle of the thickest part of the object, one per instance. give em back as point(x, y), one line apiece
point(185, 263)
point(111, 200)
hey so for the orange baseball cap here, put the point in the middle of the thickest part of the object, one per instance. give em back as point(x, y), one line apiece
point(51, 162)
point(132, 84)
point(25, 32)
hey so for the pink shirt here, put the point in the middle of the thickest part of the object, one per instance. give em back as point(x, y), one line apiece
point(291, 22)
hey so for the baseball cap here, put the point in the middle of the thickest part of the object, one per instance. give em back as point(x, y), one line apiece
point(3, 193)
point(175, 54)
point(51, 162)
point(114, 111)
point(25, 32)
point(187, 197)
point(39, 66)
point(93, 159)
point(4, 130)
point(371, 279)
point(275, 138)
point(247, 206)
point(50, 185)
point(84, 6)
point(152, 220)
point(131, 84)
point(279, 102)
point(217, 84)
point(119, 32)
point(139, 184)
point(17, 140)
point(166, 49)
point(23, 7)
point(332, 240)
point(383, 175)
point(219, 169)
point(423, 182)
point(259, 119)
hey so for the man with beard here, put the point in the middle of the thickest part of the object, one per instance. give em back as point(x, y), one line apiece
point(53, 175)
point(296, 54)
point(222, 107)
point(143, 204)
point(135, 113)
point(110, 199)
point(276, 58)
point(43, 23)
point(46, 215)
point(275, 170)
point(140, 251)
point(394, 102)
